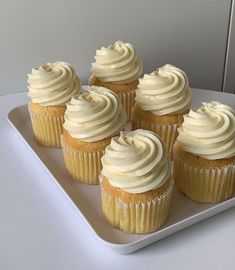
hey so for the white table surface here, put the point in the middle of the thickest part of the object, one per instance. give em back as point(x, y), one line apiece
point(40, 230)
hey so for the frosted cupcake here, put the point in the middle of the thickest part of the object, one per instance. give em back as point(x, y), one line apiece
point(91, 119)
point(136, 182)
point(162, 98)
point(50, 87)
point(118, 68)
point(204, 153)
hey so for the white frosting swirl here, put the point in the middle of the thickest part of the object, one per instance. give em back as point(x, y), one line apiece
point(164, 91)
point(136, 162)
point(94, 115)
point(118, 63)
point(53, 84)
point(209, 132)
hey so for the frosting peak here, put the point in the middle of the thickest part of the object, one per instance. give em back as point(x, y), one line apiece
point(53, 84)
point(164, 91)
point(94, 115)
point(136, 162)
point(209, 132)
point(118, 63)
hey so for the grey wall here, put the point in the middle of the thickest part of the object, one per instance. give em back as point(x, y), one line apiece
point(229, 76)
point(190, 34)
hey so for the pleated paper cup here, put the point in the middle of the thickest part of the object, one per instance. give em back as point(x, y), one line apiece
point(47, 128)
point(168, 133)
point(83, 165)
point(136, 213)
point(200, 183)
point(127, 100)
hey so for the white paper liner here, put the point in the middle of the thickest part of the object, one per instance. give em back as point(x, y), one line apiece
point(208, 185)
point(136, 217)
point(85, 167)
point(47, 129)
point(127, 100)
point(168, 133)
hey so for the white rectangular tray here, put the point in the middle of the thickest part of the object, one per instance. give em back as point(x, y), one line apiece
point(86, 198)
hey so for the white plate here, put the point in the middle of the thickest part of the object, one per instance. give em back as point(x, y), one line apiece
point(86, 199)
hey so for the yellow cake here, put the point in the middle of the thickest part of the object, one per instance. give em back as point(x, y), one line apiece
point(118, 68)
point(91, 119)
point(204, 154)
point(50, 87)
point(47, 123)
point(136, 184)
point(162, 98)
point(82, 159)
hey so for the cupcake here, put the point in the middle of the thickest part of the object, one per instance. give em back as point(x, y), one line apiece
point(162, 98)
point(136, 183)
point(91, 119)
point(118, 68)
point(204, 153)
point(50, 87)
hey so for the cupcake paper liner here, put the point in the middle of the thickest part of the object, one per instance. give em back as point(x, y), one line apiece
point(127, 100)
point(47, 129)
point(136, 217)
point(168, 133)
point(83, 166)
point(207, 185)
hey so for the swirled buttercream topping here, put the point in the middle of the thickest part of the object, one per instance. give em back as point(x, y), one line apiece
point(209, 132)
point(136, 162)
point(53, 84)
point(118, 63)
point(94, 115)
point(164, 91)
